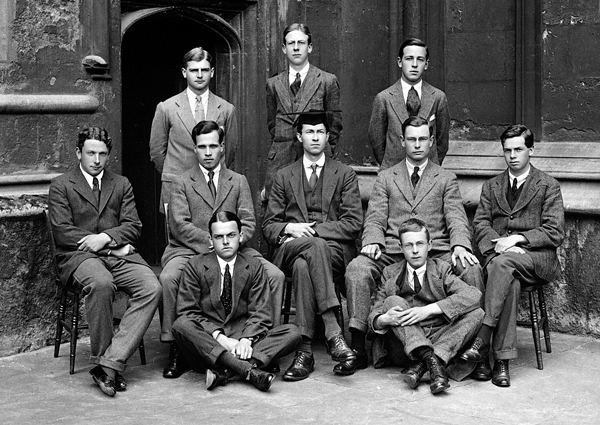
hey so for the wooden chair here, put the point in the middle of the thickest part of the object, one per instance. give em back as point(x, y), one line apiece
point(72, 289)
point(536, 322)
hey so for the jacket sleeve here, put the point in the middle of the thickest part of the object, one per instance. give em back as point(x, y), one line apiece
point(332, 103)
point(259, 305)
point(245, 210)
point(231, 137)
point(442, 135)
point(66, 233)
point(455, 216)
point(460, 297)
point(181, 223)
point(129, 225)
point(482, 223)
point(376, 219)
point(551, 233)
point(378, 128)
point(159, 137)
point(274, 223)
point(271, 109)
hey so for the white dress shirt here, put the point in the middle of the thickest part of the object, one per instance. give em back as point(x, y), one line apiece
point(192, 101)
point(303, 72)
point(307, 163)
point(217, 172)
point(406, 87)
point(521, 179)
point(90, 179)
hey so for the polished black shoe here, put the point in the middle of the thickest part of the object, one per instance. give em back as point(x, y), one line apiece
point(260, 379)
point(105, 382)
point(500, 376)
point(177, 365)
point(301, 367)
point(215, 378)
point(339, 350)
point(414, 373)
point(120, 382)
point(437, 374)
point(361, 361)
point(476, 352)
point(483, 371)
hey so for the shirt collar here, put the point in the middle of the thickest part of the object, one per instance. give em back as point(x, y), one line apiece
point(406, 87)
point(303, 72)
point(307, 162)
point(90, 179)
point(192, 96)
point(420, 272)
point(223, 263)
point(216, 170)
point(411, 168)
point(521, 178)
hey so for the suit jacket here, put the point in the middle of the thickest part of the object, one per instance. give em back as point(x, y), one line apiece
point(192, 206)
point(388, 114)
point(199, 297)
point(320, 90)
point(538, 215)
point(341, 209)
point(171, 144)
point(437, 202)
point(74, 214)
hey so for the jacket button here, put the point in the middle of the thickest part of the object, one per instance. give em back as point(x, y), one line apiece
point(511, 217)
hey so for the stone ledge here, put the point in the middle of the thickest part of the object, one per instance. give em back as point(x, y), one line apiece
point(48, 104)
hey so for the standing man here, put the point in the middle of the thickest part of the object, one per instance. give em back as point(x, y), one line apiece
point(414, 188)
point(95, 224)
point(171, 146)
point(313, 218)
point(409, 96)
point(519, 223)
point(301, 87)
point(224, 311)
point(203, 190)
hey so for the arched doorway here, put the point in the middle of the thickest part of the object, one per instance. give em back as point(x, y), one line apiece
point(153, 45)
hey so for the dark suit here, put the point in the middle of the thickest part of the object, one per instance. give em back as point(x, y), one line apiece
point(388, 114)
point(445, 334)
point(319, 90)
point(313, 261)
point(539, 216)
point(200, 312)
point(74, 215)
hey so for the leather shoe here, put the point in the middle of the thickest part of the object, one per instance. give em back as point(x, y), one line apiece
point(361, 361)
point(414, 373)
point(301, 367)
point(105, 382)
point(483, 371)
point(177, 365)
point(437, 373)
point(500, 376)
point(339, 350)
point(120, 382)
point(260, 379)
point(215, 378)
point(476, 352)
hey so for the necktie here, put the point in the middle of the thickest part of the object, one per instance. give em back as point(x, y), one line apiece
point(514, 185)
point(413, 104)
point(312, 182)
point(211, 185)
point(414, 178)
point(226, 295)
point(199, 110)
point(96, 190)
point(295, 86)
point(416, 283)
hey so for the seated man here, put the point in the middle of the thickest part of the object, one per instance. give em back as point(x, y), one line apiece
point(95, 225)
point(423, 314)
point(415, 187)
point(519, 223)
point(224, 311)
point(314, 216)
point(196, 195)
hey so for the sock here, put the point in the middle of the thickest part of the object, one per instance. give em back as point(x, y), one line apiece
point(485, 333)
point(331, 324)
point(305, 345)
point(231, 362)
point(358, 340)
point(423, 353)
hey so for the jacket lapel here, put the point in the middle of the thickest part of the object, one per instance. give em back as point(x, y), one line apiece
point(185, 113)
point(81, 186)
point(201, 187)
point(212, 274)
point(223, 188)
point(530, 189)
point(427, 101)
point(403, 182)
point(329, 176)
point(213, 109)
point(309, 87)
point(107, 187)
point(282, 88)
point(397, 101)
point(433, 281)
point(240, 271)
point(500, 189)
point(426, 182)
point(297, 188)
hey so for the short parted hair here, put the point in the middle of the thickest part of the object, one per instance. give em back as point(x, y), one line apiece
point(415, 121)
point(224, 217)
point(413, 42)
point(297, 27)
point(207, 127)
point(94, 133)
point(413, 225)
point(516, 131)
point(197, 54)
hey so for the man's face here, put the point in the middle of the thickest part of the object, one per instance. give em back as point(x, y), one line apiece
point(226, 239)
point(296, 48)
point(93, 156)
point(198, 75)
point(413, 64)
point(313, 139)
point(208, 150)
point(516, 155)
point(415, 247)
point(417, 142)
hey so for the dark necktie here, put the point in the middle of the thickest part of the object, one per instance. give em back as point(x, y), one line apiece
point(211, 185)
point(295, 86)
point(312, 182)
point(414, 178)
point(413, 104)
point(514, 186)
point(96, 190)
point(416, 283)
point(226, 295)
point(199, 110)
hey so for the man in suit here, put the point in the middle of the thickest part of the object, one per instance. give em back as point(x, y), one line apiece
point(299, 88)
point(519, 223)
point(313, 218)
point(423, 313)
point(414, 188)
point(95, 225)
point(224, 312)
point(409, 96)
point(207, 187)
point(171, 147)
